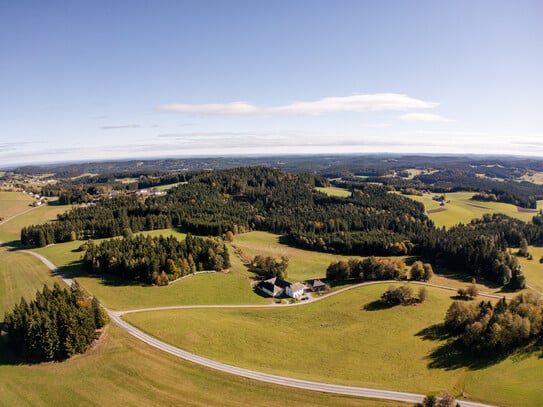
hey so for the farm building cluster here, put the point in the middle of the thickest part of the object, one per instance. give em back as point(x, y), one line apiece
point(276, 287)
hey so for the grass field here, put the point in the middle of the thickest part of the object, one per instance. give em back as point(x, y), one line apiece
point(168, 186)
point(13, 203)
point(334, 191)
point(21, 275)
point(122, 371)
point(303, 264)
point(461, 209)
point(535, 177)
point(533, 269)
point(11, 230)
point(217, 288)
point(338, 340)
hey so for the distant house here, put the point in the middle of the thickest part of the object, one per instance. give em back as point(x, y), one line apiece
point(276, 287)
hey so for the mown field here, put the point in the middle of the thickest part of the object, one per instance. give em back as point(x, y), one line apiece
point(303, 264)
point(533, 269)
point(120, 370)
point(11, 230)
point(334, 191)
point(233, 287)
point(13, 203)
point(461, 209)
point(350, 339)
point(21, 275)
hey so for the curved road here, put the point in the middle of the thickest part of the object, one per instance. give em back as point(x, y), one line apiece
point(251, 374)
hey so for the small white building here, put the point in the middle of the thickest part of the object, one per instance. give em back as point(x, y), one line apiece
point(295, 290)
point(275, 287)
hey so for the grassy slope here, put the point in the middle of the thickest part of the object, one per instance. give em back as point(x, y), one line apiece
point(11, 230)
point(122, 371)
point(303, 264)
point(533, 269)
point(12, 203)
point(217, 288)
point(461, 209)
point(336, 340)
point(21, 275)
point(333, 191)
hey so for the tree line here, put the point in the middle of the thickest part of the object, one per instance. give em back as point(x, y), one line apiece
point(372, 268)
point(372, 221)
point(156, 260)
point(57, 324)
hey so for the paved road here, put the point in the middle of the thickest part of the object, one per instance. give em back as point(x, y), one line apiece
point(313, 299)
point(269, 378)
point(251, 374)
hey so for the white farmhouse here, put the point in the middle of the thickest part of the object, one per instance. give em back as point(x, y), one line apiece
point(295, 290)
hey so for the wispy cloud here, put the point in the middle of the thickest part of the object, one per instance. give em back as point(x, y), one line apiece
point(353, 104)
point(120, 126)
point(234, 108)
point(450, 133)
point(424, 117)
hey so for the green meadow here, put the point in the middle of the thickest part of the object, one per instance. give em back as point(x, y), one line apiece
point(461, 209)
point(21, 275)
point(233, 287)
point(120, 370)
point(303, 264)
point(334, 191)
point(13, 203)
point(533, 269)
point(11, 230)
point(351, 339)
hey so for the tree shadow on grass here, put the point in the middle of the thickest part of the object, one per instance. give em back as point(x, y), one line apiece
point(7, 356)
point(75, 270)
point(451, 355)
point(377, 305)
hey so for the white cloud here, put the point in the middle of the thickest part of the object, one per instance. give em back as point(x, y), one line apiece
point(424, 117)
point(234, 108)
point(354, 104)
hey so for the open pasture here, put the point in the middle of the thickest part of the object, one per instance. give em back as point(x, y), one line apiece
point(334, 191)
point(13, 203)
point(121, 370)
point(11, 230)
point(21, 275)
point(461, 209)
point(350, 339)
point(533, 269)
point(233, 287)
point(303, 264)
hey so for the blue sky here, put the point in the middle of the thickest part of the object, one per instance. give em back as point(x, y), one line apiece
point(97, 80)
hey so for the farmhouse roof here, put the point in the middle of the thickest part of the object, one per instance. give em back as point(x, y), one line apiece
point(278, 282)
point(318, 284)
point(297, 287)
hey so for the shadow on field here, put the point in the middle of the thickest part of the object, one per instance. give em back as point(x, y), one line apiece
point(451, 355)
point(377, 305)
point(7, 357)
point(75, 270)
point(14, 245)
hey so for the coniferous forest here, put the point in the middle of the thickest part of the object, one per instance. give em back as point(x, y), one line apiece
point(371, 221)
point(57, 324)
point(155, 260)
